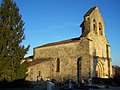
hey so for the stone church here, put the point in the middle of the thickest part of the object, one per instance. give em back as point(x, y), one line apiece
point(79, 58)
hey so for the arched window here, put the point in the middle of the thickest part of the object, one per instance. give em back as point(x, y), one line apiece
point(100, 29)
point(58, 65)
point(94, 26)
point(39, 73)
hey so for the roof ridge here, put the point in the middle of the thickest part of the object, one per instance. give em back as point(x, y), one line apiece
point(60, 42)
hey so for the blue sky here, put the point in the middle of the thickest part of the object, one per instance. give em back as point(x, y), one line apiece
point(55, 20)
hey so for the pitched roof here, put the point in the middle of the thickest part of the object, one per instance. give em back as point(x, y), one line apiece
point(37, 61)
point(29, 57)
point(60, 42)
point(90, 11)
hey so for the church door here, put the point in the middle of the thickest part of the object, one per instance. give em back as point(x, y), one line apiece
point(99, 69)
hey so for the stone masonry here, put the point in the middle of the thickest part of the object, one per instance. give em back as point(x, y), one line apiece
point(79, 58)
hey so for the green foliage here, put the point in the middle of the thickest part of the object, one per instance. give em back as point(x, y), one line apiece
point(11, 36)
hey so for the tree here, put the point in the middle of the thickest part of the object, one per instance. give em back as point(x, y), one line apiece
point(11, 37)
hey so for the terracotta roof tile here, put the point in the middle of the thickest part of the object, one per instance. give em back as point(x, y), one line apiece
point(37, 61)
point(60, 42)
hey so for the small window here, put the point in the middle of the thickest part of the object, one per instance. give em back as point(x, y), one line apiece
point(94, 26)
point(100, 29)
point(39, 73)
point(58, 65)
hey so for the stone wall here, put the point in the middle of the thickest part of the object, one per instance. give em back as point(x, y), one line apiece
point(39, 71)
point(68, 55)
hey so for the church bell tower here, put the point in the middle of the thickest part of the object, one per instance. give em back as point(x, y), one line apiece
point(99, 48)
